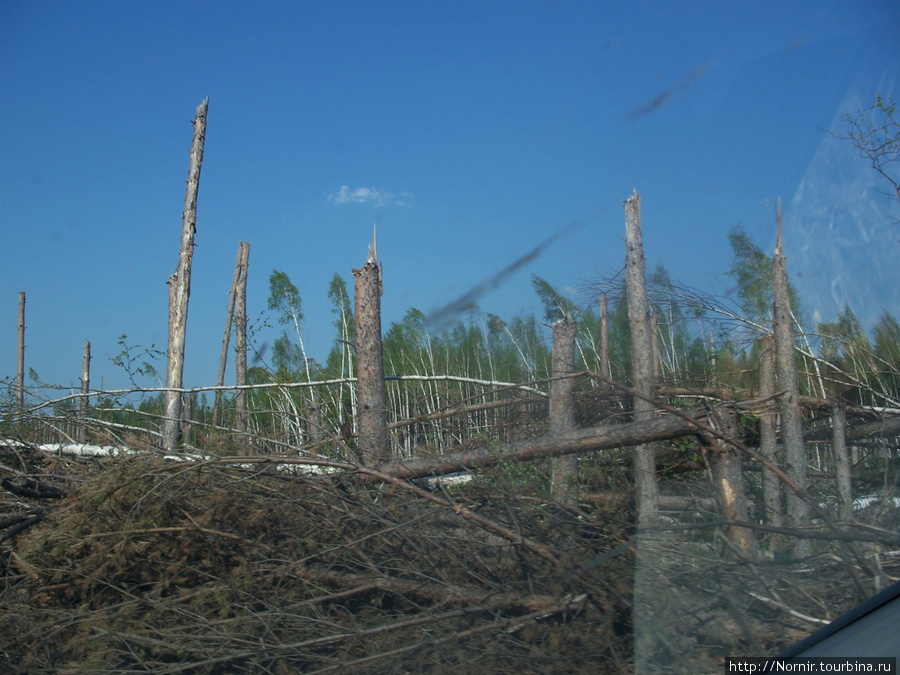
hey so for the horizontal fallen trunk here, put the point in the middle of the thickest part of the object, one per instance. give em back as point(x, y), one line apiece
point(581, 440)
point(884, 427)
point(666, 502)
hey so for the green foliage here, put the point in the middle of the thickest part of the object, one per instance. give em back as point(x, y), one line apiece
point(137, 361)
point(284, 298)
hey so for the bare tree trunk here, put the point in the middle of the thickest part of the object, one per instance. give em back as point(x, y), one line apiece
point(841, 462)
point(81, 430)
point(241, 414)
point(768, 441)
point(646, 487)
point(20, 361)
point(187, 414)
point(588, 439)
point(789, 402)
point(180, 287)
point(654, 344)
point(713, 359)
point(564, 470)
point(226, 339)
point(728, 480)
point(373, 434)
point(604, 338)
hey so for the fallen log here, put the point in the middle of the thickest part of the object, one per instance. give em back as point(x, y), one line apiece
point(663, 427)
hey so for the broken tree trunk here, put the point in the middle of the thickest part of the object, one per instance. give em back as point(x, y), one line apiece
point(81, 429)
point(841, 462)
point(725, 467)
point(226, 339)
point(646, 488)
point(373, 434)
point(789, 402)
point(180, 287)
point(768, 441)
point(20, 360)
point(241, 415)
point(564, 470)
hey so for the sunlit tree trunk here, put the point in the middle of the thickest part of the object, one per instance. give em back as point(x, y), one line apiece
point(841, 461)
point(241, 414)
point(646, 488)
point(81, 432)
point(728, 480)
point(373, 435)
point(226, 339)
point(789, 403)
point(20, 356)
point(768, 441)
point(180, 287)
point(564, 470)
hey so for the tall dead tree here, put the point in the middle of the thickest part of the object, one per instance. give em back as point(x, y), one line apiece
point(645, 482)
point(374, 443)
point(81, 429)
point(564, 470)
point(226, 339)
point(20, 360)
point(241, 415)
point(789, 401)
point(180, 287)
point(768, 440)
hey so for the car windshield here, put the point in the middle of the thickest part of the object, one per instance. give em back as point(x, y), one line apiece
point(561, 337)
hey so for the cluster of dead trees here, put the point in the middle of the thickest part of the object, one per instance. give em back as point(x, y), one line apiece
point(378, 420)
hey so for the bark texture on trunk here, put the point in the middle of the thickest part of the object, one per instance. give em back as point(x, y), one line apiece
point(789, 402)
point(605, 437)
point(728, 480)
point(768, 440)
point(226, 338)
point(180, 287)
point(374, 443)
point(842, 462)
point(241, 414)
point(564, 470)
point(20, 356)
point(646, 487)
point(81, 429)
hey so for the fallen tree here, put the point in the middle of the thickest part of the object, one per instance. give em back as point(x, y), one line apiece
point(605, 437)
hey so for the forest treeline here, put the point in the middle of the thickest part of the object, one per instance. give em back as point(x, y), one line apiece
point(701, 342)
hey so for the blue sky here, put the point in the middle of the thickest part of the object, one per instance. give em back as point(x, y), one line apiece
point(470, 131)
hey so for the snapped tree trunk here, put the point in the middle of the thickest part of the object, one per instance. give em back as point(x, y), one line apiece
point(728, 480)
point(841, 462)
point(180, 288)
point(789, 402)
point(241, 415)
point(81, 430)
point(373, 433)
point(646, 488)
point(768, 441)
point(564, 470)
point(226, 339)
point(20, 360)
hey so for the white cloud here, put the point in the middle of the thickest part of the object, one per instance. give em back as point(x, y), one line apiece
point(376, 196)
